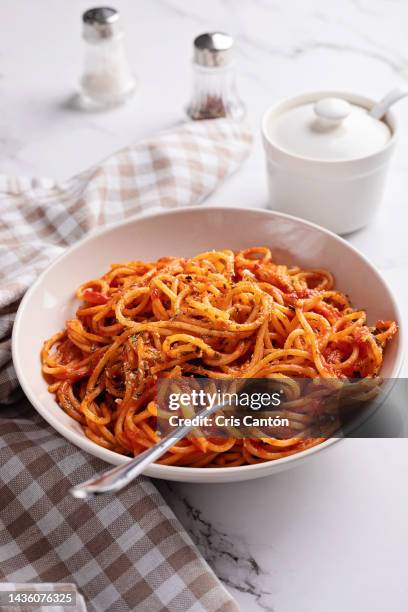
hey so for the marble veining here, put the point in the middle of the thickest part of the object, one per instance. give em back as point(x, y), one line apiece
point(233, 563)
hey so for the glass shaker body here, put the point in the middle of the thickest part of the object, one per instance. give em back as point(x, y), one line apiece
point(107, 79)
point(215, 94)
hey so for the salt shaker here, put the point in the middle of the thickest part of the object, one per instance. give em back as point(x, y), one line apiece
point(215, 93)
point(107, 79)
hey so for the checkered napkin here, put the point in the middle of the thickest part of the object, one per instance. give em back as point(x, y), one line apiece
point(126, 552)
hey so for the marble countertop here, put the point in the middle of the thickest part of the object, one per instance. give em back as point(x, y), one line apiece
point(330, 535)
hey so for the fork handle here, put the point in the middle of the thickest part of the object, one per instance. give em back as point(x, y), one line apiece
point(118, 477)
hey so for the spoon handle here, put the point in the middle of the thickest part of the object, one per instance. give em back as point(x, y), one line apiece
point(115, 479)
point(378, 111)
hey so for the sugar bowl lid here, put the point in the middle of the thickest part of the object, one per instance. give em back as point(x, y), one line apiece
point(329, 129)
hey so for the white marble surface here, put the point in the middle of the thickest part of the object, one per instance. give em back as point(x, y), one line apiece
point(330, 535)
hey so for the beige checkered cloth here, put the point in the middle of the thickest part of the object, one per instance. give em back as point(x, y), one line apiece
point(126, 552)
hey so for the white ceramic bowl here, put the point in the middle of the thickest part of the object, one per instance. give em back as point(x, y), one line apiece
point(50, 300)
point(341, 195)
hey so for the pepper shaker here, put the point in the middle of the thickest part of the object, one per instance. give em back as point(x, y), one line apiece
point(107, 79)
point(215, 93)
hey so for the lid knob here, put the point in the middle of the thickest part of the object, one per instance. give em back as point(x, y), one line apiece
point(332, 111)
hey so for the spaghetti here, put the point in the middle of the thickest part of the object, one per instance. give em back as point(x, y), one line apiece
point(221, 315)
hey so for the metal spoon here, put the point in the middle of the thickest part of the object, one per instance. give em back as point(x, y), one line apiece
point(378, 111)
point(117, 478)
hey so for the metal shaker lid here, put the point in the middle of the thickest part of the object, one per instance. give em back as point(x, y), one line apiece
point(100, 23)
point(213, 49)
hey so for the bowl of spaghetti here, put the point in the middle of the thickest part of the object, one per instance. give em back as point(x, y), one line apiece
point(220, 293)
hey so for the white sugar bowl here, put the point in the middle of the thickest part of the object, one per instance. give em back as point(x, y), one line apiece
point(327, 158)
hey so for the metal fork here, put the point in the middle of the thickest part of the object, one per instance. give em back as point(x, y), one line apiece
point(117, 478)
